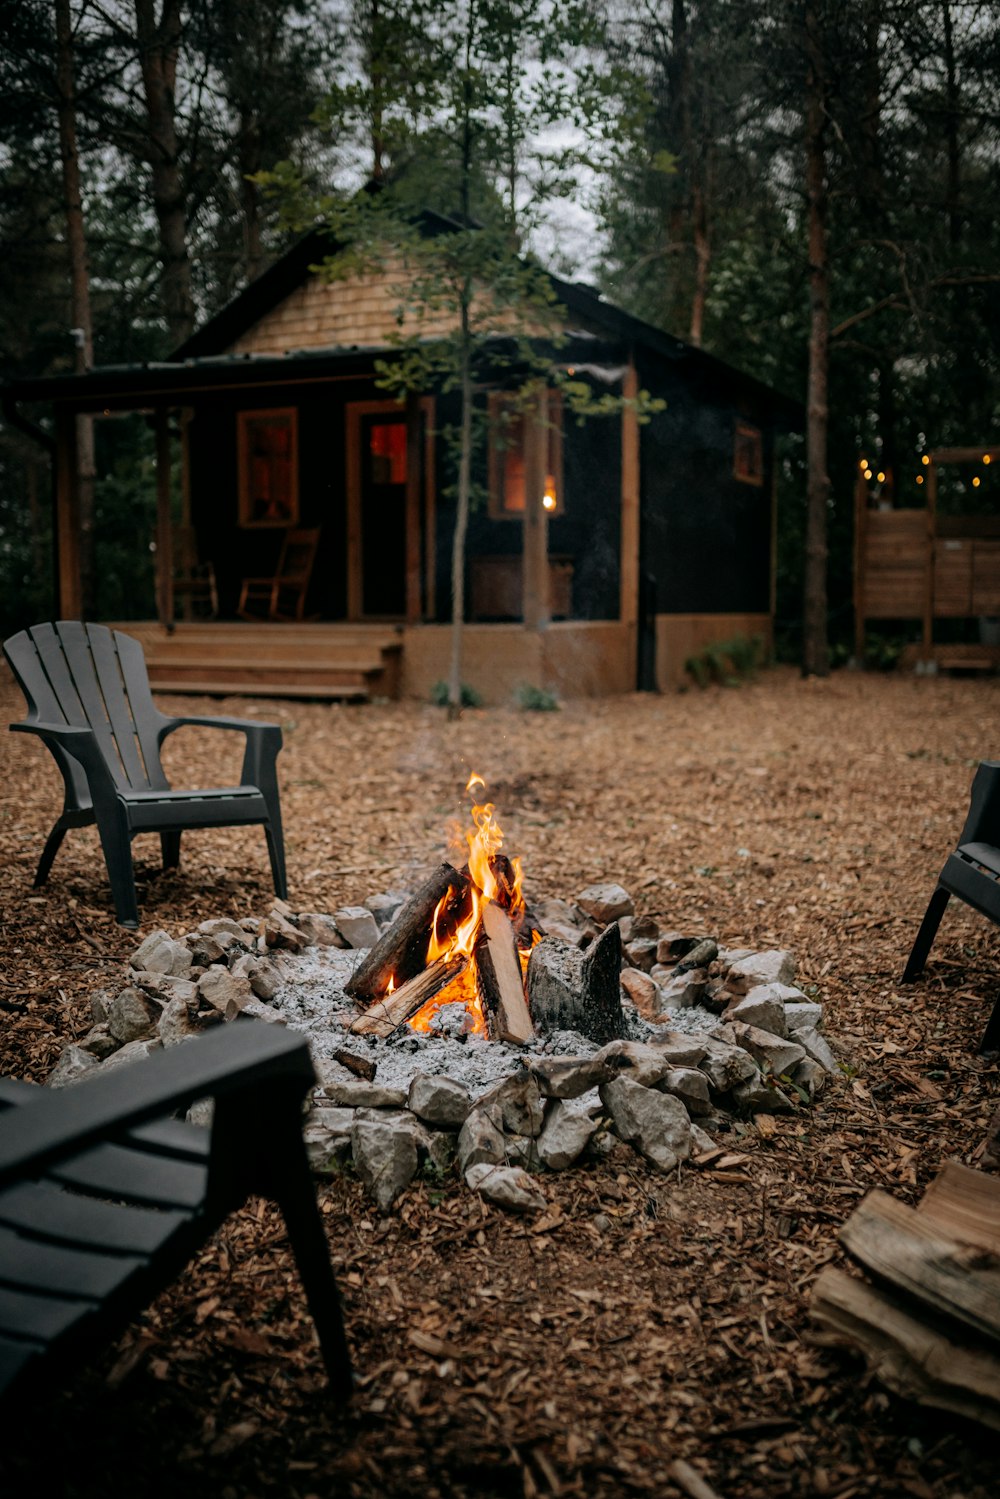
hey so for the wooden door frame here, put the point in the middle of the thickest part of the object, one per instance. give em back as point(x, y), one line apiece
point(417, 453)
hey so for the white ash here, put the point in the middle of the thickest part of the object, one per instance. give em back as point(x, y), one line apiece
point(311, 998)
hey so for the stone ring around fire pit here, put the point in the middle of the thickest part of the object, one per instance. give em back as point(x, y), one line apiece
point(698, 1035)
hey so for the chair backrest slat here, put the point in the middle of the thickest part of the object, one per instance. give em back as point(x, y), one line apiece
point(90, 677)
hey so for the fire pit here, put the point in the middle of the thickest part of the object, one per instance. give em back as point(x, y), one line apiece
point(458, 1024)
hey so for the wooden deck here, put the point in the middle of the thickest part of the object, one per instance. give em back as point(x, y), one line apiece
point(243, 658)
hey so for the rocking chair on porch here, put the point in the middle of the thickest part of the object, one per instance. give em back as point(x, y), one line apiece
point(283, 596)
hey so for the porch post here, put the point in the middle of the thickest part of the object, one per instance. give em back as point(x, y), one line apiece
point(929, 599)
point(69, 603)
point(164, 523)
point(535, 580)
point(629, 565)
point(414, 465)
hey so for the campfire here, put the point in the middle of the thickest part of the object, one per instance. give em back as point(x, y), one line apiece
point(455, 958)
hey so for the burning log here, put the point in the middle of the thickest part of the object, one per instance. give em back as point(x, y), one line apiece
point(381, 1019)
point(501, 986)
point(400, 953)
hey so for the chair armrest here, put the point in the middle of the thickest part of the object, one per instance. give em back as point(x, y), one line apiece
point(983, 822)
point(81, 743)
point(246, 1055)
point(263, 743)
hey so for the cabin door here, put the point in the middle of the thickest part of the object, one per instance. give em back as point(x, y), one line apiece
point(387, 500)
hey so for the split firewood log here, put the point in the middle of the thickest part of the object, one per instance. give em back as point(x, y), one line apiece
point(500, 981)
point(382, 1018)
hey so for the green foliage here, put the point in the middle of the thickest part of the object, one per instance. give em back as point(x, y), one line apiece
point(537, 699)
point(728, 662)
point(469, 697)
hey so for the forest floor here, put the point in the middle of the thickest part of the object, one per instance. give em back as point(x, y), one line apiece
point(503, 1356)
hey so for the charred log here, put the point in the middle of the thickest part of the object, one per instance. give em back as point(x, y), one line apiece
point(382, 1018)
point(401, 952)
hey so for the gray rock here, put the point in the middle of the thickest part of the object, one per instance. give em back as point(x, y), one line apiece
point(508, 1186)
point(99, 1003)
point(163, 987)
point(74, 1062)
point(439, 1100)
point(357, 926)
point(519, 1101)
point(817, 1047)
point(522, 1150)
point(772, 1052)
point(811, 1077)
point(161, 953)
point(206, 950)
point(701, 1140)
point(689, 1085)
point(132, 1016)
point(656, 1124)
point(681, 1048)
point(440, 1147)
point(99, 1042)
point(725, 1064)
point(634, 1059)
point(564, 1136)
point(177, 1023)
point(774, 967)
point(135, 1051)
point(327, 1135)
point(261, 973)
point(201, 1113)
point(281, 933)
point(605, 902)
point(568, 1077)
point(385, 1158)
point(550, 911)
point(640, 952)
point(757, 1008)
point(802, 1014)
point(227, 932)
point(679, 991)
point(256, 1009)
point(759, 1095)
point(384, 907)
point(224, 992)
point(573, 936)
point(481, 1138)
point(320, 930)
point(357, 1094)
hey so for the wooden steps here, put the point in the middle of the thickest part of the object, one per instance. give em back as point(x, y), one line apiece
point(250, 659)
point(968, 657)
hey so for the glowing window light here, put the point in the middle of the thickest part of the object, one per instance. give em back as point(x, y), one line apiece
point(549, 495)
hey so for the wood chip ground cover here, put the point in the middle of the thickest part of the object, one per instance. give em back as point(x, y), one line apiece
point(642, 1322)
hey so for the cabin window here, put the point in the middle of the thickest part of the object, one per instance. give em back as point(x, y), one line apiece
point(508, 474)
point(268, 467)
point(748, 454)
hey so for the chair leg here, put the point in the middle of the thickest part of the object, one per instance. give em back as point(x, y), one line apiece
point(170, 847)
point(991, 1035)
point(52, 846)
point(290, 1184)
point(925, 937)
point(276, 854)
point(116, 842)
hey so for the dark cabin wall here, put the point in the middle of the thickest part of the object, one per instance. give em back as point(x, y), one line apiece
point(705, 535)
point(239, 552)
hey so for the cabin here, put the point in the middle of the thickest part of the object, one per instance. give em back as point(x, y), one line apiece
point(601, 557)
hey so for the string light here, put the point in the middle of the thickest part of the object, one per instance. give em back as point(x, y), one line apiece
point(925, 459)
point(976, 482)
point(880, 477)
point(920, 478)
point(987, 458)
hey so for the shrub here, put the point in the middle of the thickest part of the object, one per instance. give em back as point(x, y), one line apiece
point(469, 697)
point(536, 699)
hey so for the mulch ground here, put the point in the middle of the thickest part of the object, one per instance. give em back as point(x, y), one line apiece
point(503, 1356)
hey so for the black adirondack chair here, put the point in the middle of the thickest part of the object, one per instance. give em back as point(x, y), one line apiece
point(104, 1197)
point(972, 873)
point(89, 701)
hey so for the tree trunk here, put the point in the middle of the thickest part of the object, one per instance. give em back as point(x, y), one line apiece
point(702, 260)
point(76, 241)
point(159, 44)
point(815, 654)
point(951, 129)
point(461, 525)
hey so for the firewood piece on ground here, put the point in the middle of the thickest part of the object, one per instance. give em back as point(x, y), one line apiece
point(501, 978)
point(362, 1067)
point(910, 1252)
point(401, 951)
point(911, 1356)
point(601, 998)
point(382, 1018)
point(965, 1204)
